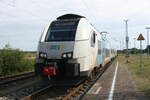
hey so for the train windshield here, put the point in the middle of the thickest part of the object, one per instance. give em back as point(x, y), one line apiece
point(62, 31)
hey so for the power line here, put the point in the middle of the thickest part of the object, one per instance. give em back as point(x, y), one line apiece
point(89, 10)
point(86, 6)
point(10, 3)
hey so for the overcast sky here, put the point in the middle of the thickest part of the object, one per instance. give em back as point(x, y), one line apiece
point(22, 21)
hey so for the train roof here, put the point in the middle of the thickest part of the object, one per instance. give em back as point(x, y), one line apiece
point(70, 16)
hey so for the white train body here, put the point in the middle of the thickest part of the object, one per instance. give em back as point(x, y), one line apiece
point(73, 42)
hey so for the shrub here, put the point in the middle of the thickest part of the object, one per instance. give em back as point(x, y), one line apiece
point(14, 61)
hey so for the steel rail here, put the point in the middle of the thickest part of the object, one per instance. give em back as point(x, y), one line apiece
point(17, 77)
point(35, 94)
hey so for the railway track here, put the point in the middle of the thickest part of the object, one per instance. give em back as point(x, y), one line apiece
point(51, 92)
point(11, 84)
point(32, 89)
point(17, 77)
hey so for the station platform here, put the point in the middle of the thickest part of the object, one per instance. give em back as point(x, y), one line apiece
point(115, 84)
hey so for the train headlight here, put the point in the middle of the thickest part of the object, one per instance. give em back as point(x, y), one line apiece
point(67, 55)
point(42, 55)
point(64, 55)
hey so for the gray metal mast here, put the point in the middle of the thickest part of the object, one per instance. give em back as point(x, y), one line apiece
point(147, 39)
point(127, 38)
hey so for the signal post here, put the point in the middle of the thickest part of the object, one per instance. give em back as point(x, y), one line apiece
point(141, 38)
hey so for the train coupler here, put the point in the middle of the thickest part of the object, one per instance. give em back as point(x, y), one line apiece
point(50, 69)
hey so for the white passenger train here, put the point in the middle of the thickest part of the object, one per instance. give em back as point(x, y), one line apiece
point(71, 47)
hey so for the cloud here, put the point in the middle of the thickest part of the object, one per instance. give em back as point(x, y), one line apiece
point(27, 18)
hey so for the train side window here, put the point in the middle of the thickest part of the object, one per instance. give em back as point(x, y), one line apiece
point(93, 39)
point(99, 47)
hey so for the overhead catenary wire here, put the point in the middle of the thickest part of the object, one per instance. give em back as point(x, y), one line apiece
point(91, 15)
point(88, 10)
point(12, 3)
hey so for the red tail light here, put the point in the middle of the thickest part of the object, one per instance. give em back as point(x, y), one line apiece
point(49, 71)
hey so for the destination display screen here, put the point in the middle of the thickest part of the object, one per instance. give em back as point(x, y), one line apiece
point(65, 24)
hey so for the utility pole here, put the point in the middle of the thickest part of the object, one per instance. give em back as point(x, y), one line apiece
point(123, 43)
point(120, 45)
point(134, 45)
point(127, 39)
point(134, 42)
point(147, 28)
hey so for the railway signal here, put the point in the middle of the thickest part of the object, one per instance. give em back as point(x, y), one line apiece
point(141, 38)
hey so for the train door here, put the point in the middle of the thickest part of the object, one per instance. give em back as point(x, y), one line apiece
point(103, 49)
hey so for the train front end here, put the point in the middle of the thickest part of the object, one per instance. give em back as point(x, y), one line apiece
point(55, 50)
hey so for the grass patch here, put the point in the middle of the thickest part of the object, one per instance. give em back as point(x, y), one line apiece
point(140, 75)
